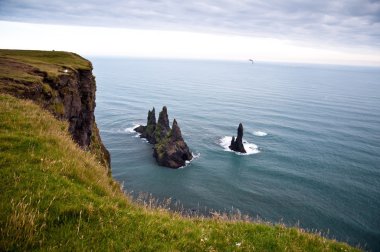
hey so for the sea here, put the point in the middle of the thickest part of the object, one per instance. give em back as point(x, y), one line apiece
point(312, 133)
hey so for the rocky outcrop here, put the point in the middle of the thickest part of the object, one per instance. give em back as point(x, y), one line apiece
point(148, 131)
point(169, 149)
point(172, 151)
point(237, 144)
point(162, 128)
point(68, 92)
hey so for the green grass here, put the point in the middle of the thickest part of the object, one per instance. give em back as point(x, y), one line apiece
point(40, 76)
point(55, 196)
point(47, 59)
point(10, 72)
point(24, 71)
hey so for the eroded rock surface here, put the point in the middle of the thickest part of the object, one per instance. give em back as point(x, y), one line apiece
point(169, 149)
point(148, 131)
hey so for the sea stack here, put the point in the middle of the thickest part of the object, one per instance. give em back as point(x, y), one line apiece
point(148, 131)
point(169, 149)
point(237, 144)
point(163, 127)
point(172, 151)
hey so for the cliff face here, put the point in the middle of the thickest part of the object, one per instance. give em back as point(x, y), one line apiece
point(66, 90)
point(76, 91)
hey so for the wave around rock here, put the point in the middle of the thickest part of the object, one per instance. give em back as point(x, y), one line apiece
point(188, 162)
point(132, 129)
point(249, 147)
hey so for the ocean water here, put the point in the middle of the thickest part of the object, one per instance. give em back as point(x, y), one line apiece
point(313, 132)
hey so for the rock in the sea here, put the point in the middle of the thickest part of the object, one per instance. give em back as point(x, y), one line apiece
point(237, 144)
point(170, 149)
point(163, 127)
point(140, 129)
point(148, 131)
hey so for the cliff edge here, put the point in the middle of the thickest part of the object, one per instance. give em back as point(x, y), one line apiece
point(60, 82)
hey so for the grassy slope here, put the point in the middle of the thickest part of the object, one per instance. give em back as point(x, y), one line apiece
point(23, 70)
point(56, 196)
point(34, 75)
point(48, 61)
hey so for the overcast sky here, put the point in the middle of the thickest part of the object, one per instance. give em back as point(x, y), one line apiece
point(323, 30)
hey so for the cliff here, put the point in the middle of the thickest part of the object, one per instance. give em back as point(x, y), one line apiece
point(60, 82)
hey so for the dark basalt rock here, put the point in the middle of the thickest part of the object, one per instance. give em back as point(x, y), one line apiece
point(176, 132)
point(163, 127)
point(237, 144)
point(172, 151)
point(140, 129)
point(169, 149)
point(148, 131)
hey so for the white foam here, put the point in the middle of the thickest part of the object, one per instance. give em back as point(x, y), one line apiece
point(132, 129)
point(260, 133)
point(195, 156)
point(250, 148)
point(187, 162)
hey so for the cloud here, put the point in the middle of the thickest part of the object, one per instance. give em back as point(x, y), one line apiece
point(122, 42)
point(352, 22)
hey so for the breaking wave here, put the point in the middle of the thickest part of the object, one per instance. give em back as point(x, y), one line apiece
point(195, 156)
point(131, 129)
point(250, 148)
point(260, 133)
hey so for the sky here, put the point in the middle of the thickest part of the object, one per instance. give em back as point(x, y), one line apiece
point(324, 31)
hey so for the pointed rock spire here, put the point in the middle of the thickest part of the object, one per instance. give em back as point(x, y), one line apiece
point(170, 149)
point(237, 145)
point(162, 127)
point(232, 141)
point(151, 117)
point(240, 133)
point(148, 130)
point(176, 132)
point(163, 118)
point(172, 152)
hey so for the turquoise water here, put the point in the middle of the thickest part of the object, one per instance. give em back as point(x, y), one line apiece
point(316, 128)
